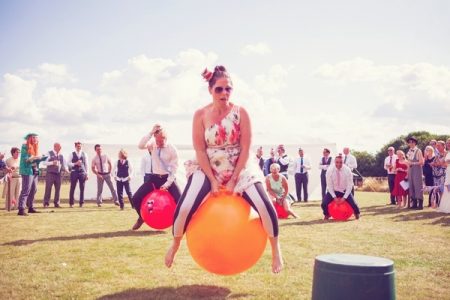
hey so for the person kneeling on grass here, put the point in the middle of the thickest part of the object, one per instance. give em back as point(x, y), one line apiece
point(277, 187)
point(339, 185)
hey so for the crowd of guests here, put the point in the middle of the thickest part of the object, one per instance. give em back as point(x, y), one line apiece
point(24, 166)
point(416, 173)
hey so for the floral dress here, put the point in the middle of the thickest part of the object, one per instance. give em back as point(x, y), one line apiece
point(223, 150)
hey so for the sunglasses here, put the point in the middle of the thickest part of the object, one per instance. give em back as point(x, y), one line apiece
point(220, 89)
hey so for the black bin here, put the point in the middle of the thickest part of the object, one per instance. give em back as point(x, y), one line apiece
point(351, 276)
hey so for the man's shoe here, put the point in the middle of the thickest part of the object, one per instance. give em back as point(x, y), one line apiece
point(138, 224)
point(32, 211)
point(57, 205)
point(326, 217)
point(357, 216)
point(71, 205)
point(116, 203)
point(99, 204)
point(81, 204)
point(46, 205)
point(22, 213)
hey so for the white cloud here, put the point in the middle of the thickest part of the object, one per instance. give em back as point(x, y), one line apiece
point(257, 49)
point(17, 99)
point(419, 92)
point(273, 81)
point(49, 74)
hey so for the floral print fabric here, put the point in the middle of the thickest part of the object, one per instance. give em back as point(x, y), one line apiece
point(223, 150)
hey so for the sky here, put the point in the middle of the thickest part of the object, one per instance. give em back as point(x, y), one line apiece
point(354, 73)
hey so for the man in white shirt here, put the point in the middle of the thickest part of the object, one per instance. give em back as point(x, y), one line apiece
point(102, 166)
point(56, 165)
point(389, 166)
point(350, 161)
point(146, 166)
point(339, 185)
point(301, 167)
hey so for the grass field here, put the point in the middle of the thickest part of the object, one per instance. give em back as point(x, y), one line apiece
point(90, 253)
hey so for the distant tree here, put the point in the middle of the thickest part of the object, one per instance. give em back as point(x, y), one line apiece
point(366, 162)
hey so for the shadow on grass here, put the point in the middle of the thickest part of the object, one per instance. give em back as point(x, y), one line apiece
point(304, 223)
point(99, 235)
point(380, 210)
point(441, 219)
point(184, 292)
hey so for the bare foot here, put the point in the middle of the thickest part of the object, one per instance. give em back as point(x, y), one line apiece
point(170, 255)
point(277, 264)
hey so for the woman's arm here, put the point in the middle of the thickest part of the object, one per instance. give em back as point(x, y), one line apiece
point(200, 149)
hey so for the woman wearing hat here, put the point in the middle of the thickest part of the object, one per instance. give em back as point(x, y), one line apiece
point(29, 170)
point(415, 173)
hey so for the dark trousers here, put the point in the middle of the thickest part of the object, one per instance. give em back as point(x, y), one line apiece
point(301, 181)
point(29, 189)
point(391, 180)
point(147, 177)
point(155, 182)
point(74, 178)
point(329, 198)
point(50, 180)
point(323, 183)
point(120, 186)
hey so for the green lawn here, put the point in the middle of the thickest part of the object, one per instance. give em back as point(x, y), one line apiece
point(90, 253)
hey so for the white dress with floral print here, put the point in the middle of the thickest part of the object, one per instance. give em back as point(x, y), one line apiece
point(223, 150)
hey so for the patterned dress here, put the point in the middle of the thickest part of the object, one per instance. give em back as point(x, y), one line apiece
point(223, 150)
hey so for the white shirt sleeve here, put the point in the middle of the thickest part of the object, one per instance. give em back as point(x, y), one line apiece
point(47, 162)
point(349, 182)
point(307, 164)
point(145, 141)
point(130, 170)
point(115, 169)
point(330, 183)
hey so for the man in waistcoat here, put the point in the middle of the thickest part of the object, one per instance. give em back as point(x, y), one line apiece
point(324, 164)
point(283, 160)
point(415, 162)
point(55, 166)
point(78, 166)
point(102, 167)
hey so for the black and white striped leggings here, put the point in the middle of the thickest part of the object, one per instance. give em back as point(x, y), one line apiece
point(198, 186)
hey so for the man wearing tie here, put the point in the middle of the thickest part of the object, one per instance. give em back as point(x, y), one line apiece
point(55, 165)
point(340, 185)
point(301, 167)
point(389, 166)
point(323, 166)
point(101, 166)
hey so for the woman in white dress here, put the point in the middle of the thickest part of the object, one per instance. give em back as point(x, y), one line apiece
point(444, 205)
